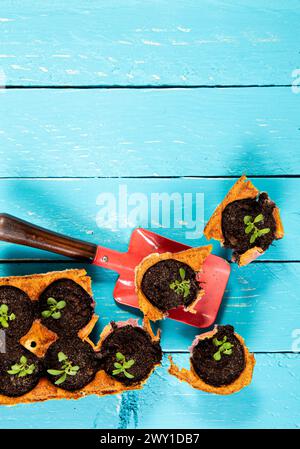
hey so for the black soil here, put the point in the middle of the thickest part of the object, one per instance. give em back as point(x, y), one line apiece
point(224, 371)
point(13, 385)
point(233, 226)
point(134, 343)
point(77, 312)
point(20, 304)
point(79, 354)
point(156, 284)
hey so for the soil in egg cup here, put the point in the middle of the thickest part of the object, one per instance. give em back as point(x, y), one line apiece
point(129, 353)
point(65, 307)
point(70, 363)
point(220, 362)
point(16, 312)
point(247, 221)
point(170, 280)
point(20, 370)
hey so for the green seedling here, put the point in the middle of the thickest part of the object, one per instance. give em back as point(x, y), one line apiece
point(67, 369)
point(22, 368)
point(121, 366)
point(223, 346)
point(252, 229)
point(181, 287)
point(55, 308)
point(5, 317)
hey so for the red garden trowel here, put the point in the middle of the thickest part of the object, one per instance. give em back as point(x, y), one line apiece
point(214, 276)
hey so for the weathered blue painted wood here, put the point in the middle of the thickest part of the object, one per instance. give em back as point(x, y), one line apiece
point(174, 133)
point(84, 208)
point(182, 132)
point(262, 302)
point(272, 400)
point(91, 412)
point(137, 42)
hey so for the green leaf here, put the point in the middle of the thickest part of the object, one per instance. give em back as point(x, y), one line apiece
point(253, 238)
point(227, 345)
point(4, 323)
point(13, 371)
point(247, 219)
point(117, 365)
point(61, 305)
point(259, 218)
point(46, 313)
point(16, 366)
point(55, 372)
point(56, 315)
point(61, 356)
point(183, 287)
point(129, 364)
point(4, 308)
point(249, 228)
point(217, 342)
point(128, 375)
point(228, 351)
point(21, 369)
point(30, 369)
point(121, 367)
point(217, 356)
point(263, 231)
point(12, 316)
point(186, 291)
point(51, 301)
point(75, 368)
point(61, 379)
point(119, 356)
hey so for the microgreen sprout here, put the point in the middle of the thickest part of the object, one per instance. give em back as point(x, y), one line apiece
point(121, 366)
point(181, 287)
point(22, 368)
point(67, 369)
point(224, 347)
point(252, 228)
point(5, 317)
point(55, 308)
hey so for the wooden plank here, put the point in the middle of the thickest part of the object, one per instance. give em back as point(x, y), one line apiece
point(261, 301)
point(72, 207)
point(177, 132)
point(133, 42)
point(271, 401)
point(88, 413)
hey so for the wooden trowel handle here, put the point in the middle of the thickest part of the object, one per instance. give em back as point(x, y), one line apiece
point(14, 230)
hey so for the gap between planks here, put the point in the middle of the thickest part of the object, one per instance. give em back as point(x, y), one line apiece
point(146, 86)
point(61, 178)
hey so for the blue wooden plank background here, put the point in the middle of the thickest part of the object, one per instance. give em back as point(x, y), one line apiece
point(129, 42)
point(155, 132)
point(60, 148)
